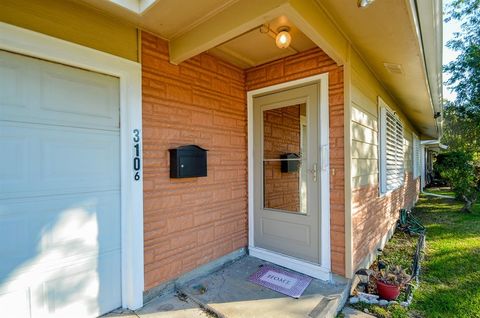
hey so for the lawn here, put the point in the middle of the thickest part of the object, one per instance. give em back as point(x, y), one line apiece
point(450, 277)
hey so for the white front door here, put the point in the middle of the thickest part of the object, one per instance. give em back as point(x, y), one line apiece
point(59, 190)
point(286, 173)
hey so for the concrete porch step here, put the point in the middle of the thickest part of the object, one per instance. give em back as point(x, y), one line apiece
point(228, 293)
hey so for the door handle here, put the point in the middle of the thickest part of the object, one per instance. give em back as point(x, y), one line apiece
point(314, 172)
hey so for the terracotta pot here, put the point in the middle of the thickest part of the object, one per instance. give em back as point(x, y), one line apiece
point(386, 291)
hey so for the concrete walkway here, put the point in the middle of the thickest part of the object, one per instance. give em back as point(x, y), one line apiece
point(438, 195)
point(167, 306)
point(227, 293)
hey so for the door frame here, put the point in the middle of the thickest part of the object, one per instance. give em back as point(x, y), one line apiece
point(322, 270)
point(38, 45)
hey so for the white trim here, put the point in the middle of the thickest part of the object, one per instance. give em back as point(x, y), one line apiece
point(382, 154)
point(18, 40)
point(415, 156)
point(324, 197)
point(424, 173)
point(310, 269)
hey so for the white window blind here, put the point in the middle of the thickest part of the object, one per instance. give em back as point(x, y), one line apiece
point(416, 156)
point(391, 150)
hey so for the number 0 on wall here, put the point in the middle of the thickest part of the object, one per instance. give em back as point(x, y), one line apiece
point(136, 155)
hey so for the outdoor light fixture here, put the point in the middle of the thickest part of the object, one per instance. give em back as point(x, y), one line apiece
point(283, 38)
point(364, 277)
point(364, 3)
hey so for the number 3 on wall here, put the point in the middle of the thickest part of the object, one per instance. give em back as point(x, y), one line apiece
point(136, 154)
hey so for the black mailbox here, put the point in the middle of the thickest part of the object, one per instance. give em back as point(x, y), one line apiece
point(188, 162)
point(289, 165)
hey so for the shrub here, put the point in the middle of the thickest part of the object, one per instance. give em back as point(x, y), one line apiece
point(462, 174)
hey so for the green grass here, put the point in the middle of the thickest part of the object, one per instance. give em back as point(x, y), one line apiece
point(450, 277)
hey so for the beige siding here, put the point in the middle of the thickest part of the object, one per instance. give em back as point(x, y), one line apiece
point(373, 214)
point(365, 127)
point(72, 22)
point(364, 148)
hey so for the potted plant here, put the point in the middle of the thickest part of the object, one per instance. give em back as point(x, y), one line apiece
point(390, 281)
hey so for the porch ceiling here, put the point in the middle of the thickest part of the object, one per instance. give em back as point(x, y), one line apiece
point(238, 51)
point(385, 33)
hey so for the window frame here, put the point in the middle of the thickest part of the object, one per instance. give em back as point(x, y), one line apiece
point(398, 146)
point(416, 159)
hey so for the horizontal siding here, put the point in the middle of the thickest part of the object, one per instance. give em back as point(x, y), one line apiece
point(361, 167)
point(364, 134)
point(73, 22)
point(364, 148)
point(373, 215)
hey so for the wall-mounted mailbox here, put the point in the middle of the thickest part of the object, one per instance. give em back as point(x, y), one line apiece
point(188, 162)
point(290, 165)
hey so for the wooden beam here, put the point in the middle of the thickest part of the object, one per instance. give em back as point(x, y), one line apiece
point(314, 22)
point(237, 19)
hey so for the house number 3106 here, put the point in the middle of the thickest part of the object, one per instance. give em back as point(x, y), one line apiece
point(136, 154)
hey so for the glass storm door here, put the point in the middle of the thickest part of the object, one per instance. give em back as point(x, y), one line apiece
point(286, 175)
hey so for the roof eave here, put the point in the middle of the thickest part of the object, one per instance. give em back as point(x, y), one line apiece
point(428, 19)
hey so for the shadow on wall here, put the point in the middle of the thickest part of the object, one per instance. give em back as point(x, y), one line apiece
point(60, 255)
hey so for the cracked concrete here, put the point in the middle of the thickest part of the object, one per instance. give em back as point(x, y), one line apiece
point(228, 293)
point(165, 306)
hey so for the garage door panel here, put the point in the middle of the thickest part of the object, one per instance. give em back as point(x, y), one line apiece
point(97, 95)
point(81, 290)
point(57, 160)
point(86, 288)
point(38, 91)
point(15, 79)
point(14, 158)
point(54, 231)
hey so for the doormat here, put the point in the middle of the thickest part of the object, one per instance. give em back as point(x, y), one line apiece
point(280, 280)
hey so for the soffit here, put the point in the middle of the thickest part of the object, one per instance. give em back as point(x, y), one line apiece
point(166, 18)
point(384, 32)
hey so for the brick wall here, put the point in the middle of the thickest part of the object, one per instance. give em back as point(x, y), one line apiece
point(374, 216)
point(308, 63)
point(281, 134)
point(189, 222)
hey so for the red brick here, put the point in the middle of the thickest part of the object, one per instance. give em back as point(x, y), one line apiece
point(191, 104)
point(374, 215)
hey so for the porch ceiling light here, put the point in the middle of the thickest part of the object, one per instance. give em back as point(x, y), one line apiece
point(283, 38)
point(364, 3)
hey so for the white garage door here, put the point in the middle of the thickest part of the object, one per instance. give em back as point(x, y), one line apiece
point(59, 190)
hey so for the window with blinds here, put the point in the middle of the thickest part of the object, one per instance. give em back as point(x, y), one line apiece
point(391, 150)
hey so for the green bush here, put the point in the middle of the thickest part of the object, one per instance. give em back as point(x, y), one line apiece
point(462, 174)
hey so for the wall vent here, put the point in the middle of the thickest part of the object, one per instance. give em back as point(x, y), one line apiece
point(393, 68)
